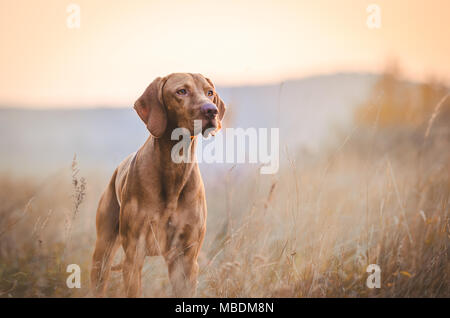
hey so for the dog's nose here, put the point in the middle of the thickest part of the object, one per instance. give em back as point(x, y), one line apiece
point(209, 111)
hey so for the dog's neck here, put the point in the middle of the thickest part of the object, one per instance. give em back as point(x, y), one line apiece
point(163, 147)
point(157, 153)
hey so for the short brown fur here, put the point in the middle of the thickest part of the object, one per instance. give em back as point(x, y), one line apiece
point(152, 205)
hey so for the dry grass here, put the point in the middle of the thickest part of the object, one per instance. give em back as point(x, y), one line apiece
point(310, 231)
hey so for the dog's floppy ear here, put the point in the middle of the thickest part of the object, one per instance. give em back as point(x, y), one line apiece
point(150, 107)
point(218, 101)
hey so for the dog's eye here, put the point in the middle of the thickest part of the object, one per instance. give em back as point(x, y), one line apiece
point(181, 91)
point(210, 93)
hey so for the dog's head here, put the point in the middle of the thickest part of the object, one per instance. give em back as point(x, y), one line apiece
point(177, 100)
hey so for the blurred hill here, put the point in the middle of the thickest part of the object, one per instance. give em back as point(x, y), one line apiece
point(306, 110)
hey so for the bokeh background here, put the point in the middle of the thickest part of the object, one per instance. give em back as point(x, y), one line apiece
point(363, 114)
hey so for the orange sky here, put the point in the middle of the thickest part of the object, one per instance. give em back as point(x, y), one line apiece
point(123, 44)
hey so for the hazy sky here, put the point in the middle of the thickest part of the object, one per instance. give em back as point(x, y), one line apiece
point(122, 45)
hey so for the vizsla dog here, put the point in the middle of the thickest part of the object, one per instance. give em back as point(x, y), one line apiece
point(152, 205)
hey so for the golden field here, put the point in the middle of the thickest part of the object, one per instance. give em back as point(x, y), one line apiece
point(378, 193)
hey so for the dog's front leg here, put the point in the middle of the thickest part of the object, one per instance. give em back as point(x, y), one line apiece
point(183, 272)
point(132, 267)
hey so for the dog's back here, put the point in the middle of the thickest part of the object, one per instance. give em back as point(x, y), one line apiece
point(121, 176)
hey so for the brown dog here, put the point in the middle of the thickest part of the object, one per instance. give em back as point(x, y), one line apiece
point(152, 205)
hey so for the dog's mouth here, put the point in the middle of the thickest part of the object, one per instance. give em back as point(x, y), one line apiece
point(209, 126)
